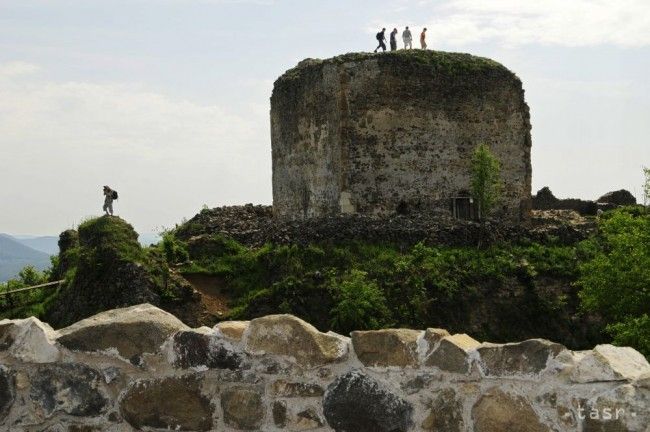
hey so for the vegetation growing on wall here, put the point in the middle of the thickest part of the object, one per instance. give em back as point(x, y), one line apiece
point(485, 179)
point(615, 279)
point(571, 293)
point(503, 292)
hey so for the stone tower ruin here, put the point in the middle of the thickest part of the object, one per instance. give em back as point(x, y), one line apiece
point(394, 133)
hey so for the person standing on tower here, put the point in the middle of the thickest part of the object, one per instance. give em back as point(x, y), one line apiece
point(381, 38)
point(393, 40)
point(407, 38)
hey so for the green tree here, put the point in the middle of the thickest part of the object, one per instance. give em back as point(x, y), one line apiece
point(615, 280)
point(29, 276)
point(485, 179)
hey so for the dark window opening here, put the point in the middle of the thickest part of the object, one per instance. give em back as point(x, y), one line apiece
point(402, 208)
point(464, 207)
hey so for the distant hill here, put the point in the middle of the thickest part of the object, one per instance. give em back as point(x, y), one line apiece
point(14, 255)
point(47, 244)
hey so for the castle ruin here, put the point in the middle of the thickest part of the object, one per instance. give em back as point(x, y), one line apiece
point(394, 133)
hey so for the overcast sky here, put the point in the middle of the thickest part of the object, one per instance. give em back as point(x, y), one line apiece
point(167, 100)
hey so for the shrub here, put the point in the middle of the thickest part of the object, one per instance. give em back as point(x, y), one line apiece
point(634, 332)
point(360, 305)
point(616, 278)
point(175, 251)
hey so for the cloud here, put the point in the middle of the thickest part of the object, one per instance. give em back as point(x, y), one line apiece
point(75, 135)
point(120, 117)
point(574, 23)
point(17, 68)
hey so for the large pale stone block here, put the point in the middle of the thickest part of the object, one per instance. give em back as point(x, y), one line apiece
point(452, 354)
point(289, 336)
point(527, 357)
point(609, 363)
point(131, 331)
point(29, 340)
point(391, 347)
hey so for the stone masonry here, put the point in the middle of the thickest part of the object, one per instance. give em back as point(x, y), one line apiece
point(377, 134)
point(140, 368)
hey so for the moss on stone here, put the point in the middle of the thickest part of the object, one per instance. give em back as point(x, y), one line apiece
point(111, 233)
point(438, 61)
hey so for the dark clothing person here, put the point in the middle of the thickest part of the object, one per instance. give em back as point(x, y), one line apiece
point(109, 196)
point(393, 40)
point(381, 38)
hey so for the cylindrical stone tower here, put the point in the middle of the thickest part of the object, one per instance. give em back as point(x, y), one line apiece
point(394, 132)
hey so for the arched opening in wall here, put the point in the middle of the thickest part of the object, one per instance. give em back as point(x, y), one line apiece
point(464, 207)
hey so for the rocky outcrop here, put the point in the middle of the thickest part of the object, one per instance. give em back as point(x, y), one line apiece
point(280, 373)
point(111, 270)
point(545, 200)
point(620, 197)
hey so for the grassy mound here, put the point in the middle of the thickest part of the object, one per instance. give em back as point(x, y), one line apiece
point(501, 293)
point(106, 268)
point(577, 293)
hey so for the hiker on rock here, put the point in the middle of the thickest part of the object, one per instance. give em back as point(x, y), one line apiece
point(109, 196)
point(393, 40)
point(381, 38)
point(423, 36)
point(407, 38)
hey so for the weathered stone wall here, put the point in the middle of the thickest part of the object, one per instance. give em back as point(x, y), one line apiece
point(140, 368)
point(545, 200)
point(374, 134)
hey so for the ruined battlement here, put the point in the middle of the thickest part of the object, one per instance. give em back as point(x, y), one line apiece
point(379, 134)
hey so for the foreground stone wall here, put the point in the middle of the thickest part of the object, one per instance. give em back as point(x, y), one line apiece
point(140, 368)
point(379, 134)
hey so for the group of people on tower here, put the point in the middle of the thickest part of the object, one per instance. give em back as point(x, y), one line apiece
point(406, 37)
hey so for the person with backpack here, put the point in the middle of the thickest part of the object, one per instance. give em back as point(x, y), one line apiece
point(109, 196)
point(393, 40)
point(381, 38)
point(407, 38)
point(423, 35)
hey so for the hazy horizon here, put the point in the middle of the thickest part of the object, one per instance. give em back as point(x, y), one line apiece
point(167, 101)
